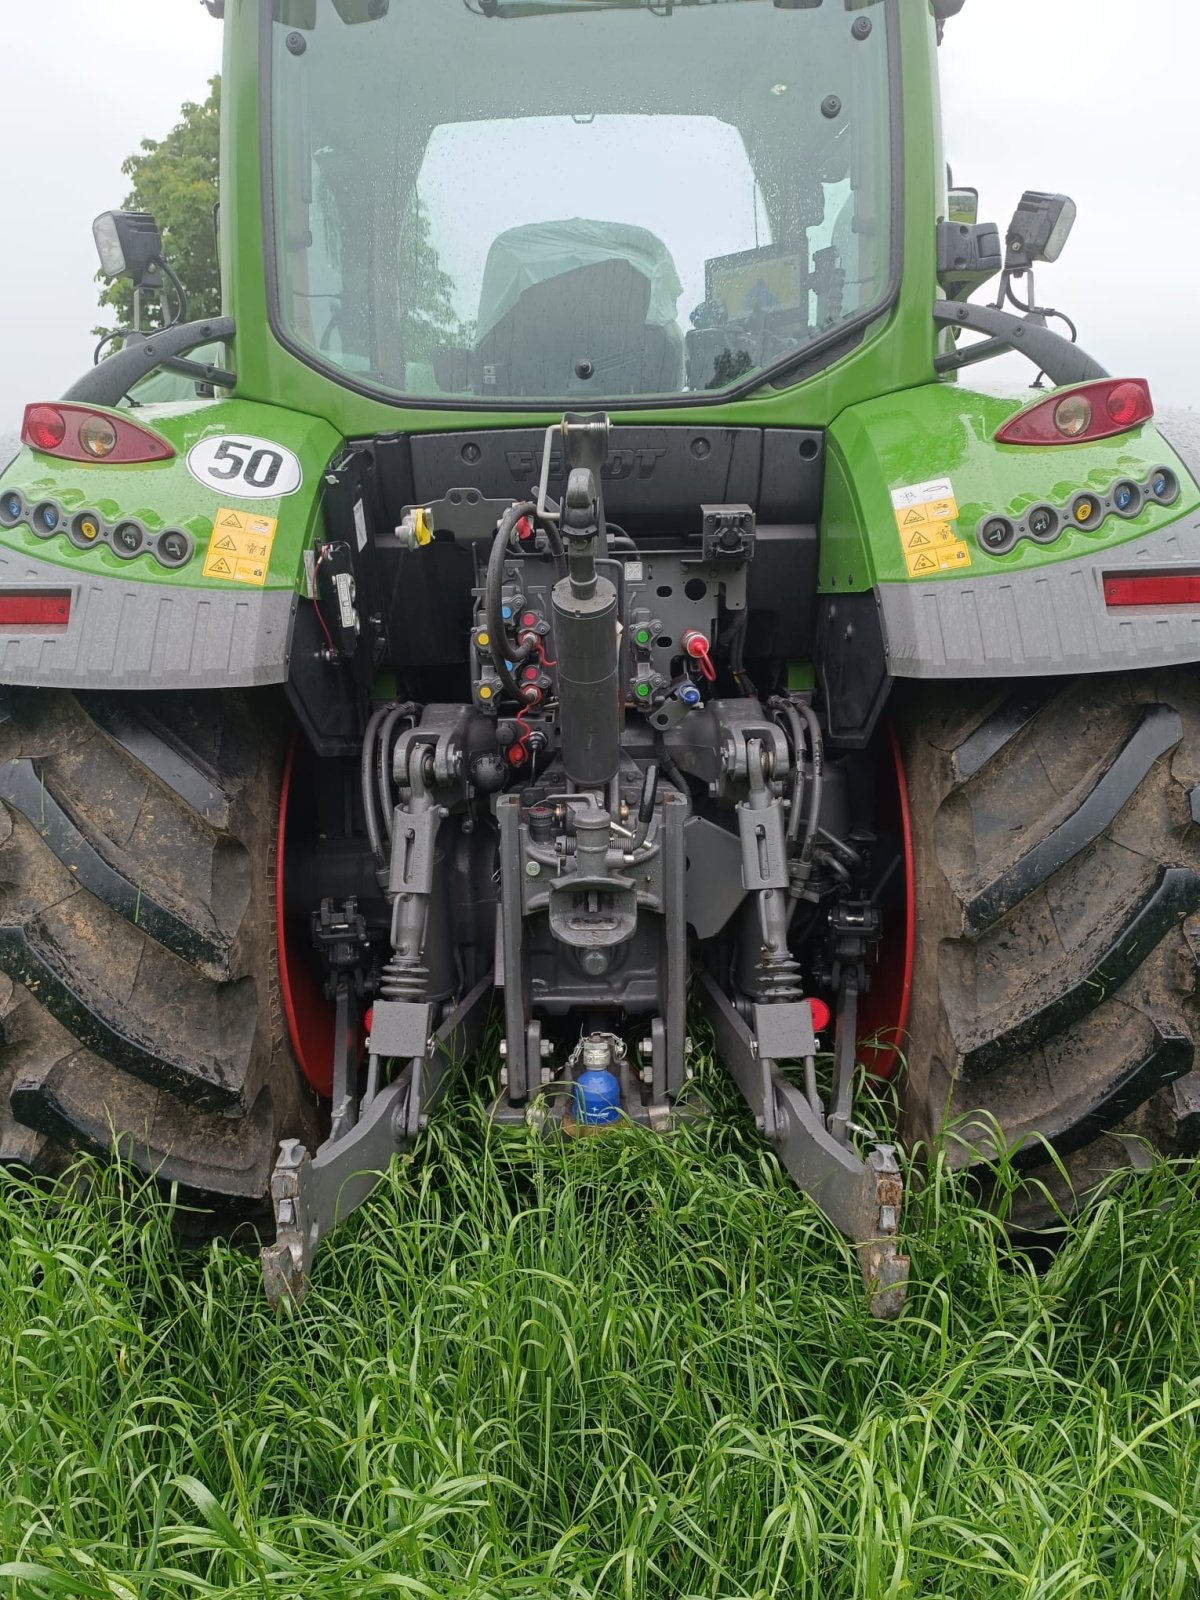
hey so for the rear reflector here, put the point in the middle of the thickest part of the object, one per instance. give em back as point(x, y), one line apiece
point(23, 609)
point(1153, 589)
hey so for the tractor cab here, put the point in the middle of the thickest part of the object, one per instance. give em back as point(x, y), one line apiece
point(583, 202)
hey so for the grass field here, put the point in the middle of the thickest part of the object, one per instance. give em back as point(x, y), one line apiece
point(628, 1367)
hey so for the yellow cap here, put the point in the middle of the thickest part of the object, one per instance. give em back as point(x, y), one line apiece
point(485, 692)
point(422, 531)
point(483, 640)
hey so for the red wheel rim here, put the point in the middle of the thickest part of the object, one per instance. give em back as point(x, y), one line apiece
point(883, 1015)
point(309, 1014)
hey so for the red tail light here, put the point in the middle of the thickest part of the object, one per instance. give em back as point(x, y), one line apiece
point(1077, 416)
point(47, 609)
point(81, 433)
point(1153, 589)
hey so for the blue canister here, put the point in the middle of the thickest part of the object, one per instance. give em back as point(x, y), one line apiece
point(597, 1097)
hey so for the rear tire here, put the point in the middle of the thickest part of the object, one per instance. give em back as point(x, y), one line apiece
point(1057, 891)
point(139, 985)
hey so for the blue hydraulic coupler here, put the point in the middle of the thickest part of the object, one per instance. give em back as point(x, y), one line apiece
point(597, 1097)
point(597, 1092)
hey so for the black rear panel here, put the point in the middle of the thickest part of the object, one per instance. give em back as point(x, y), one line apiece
point(655, 481)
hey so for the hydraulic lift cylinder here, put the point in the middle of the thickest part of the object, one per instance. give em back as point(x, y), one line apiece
point(586, 647)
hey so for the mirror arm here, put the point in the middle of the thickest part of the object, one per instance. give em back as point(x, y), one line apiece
point(202, 372)
point(108, 383)
point(983, 351)
point(1061, 361)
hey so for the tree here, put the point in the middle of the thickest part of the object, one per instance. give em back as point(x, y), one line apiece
point(430, 320)
point(177, 179)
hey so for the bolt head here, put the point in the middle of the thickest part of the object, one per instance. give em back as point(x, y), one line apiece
point(503, 1048)
point(532, 869)
point(546, 1049)
point(645, 1045)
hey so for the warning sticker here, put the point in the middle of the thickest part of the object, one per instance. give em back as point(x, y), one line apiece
point(944, 510)
point(926, 520)
point(240, 548)
point(950, 557)
point(927, 535)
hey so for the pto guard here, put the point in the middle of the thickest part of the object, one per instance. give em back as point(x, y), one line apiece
point(245, 474)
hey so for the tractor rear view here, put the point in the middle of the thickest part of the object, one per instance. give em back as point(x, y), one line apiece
point(578, 589)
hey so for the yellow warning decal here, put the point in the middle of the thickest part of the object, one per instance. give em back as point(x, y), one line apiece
point(950, 557)
point(910, 517)
point(240, 548)
point(928, 536)
point(926, 521)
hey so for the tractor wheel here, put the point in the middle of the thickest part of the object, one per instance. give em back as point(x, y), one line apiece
point(1056, 853)
point(139, 983)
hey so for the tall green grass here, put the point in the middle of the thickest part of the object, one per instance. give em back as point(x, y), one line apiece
point(630, 1366)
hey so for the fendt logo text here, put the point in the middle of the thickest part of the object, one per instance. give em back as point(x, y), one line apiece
point(623, 463)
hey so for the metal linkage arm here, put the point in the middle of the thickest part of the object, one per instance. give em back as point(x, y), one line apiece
point(313, 1194)
point(862, 1199)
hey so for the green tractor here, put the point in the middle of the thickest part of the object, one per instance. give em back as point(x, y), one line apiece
point(578, 586)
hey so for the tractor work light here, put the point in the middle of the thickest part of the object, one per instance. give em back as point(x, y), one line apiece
point(80, 433)
point(1039, 230)
point(1093, 411)
point(129, 246)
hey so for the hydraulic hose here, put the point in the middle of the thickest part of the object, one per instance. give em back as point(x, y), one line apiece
point(383, 773)
point(370, 814)
point(794, 711)
point(667, 765)
point(789, 711)
point(493, 601)
point(646, 805)
point(817, 745)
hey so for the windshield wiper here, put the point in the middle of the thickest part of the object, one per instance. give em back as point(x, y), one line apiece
point(507, 10)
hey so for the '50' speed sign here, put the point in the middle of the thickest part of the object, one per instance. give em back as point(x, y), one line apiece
point(245, 467)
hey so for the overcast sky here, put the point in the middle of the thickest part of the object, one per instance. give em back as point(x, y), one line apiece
point(1094, 97)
